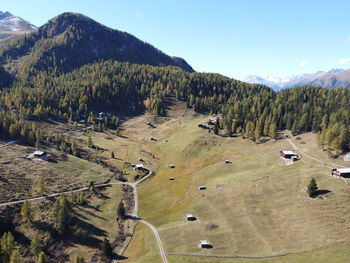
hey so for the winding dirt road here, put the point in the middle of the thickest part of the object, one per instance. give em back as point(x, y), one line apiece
point(134, 213)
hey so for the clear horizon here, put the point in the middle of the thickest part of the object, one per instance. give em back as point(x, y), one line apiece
point(233, 38)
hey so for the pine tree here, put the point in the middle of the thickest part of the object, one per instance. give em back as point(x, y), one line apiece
point(249, 130)
point(37, 139)
point(216, 128)
point(74, 148)
point(91, 118)
point(78, 259)
point(344, 140)
point(7, 246)
point(62, 212)
point(91, 186)
point(257, 132)
point(234, 126)
point(121, 210)
point(89, 141)
point(81, 198)
point(26, 212)
point(41, 185)
point(273, 131)
point(35, 245)
point(106, 249)
point(295, 129)
point(312, 188)
point(16, 257)
point(112, 155)
point(42, 257)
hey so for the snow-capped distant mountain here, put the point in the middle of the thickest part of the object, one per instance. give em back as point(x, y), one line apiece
point(11, 25)
point(326, 79)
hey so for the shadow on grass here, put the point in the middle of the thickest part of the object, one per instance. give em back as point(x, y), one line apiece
point(4, 180)
point(321, 192)
point(118, 257)
point(93, 230)
point(135, 218)
point(43, 226)
point(89, 213)
point(21, 239)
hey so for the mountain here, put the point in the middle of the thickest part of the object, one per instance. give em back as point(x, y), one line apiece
point(71, 40)
point(11, 25)
point(334, 78)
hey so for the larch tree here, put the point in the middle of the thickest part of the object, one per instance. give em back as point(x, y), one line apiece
point(27, 212)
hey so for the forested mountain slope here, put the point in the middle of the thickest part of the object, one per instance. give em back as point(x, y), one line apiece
point(249, 110)
point(71, 40)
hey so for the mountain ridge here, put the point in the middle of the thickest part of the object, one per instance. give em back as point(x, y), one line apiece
point(334, 78)
point(71, 40)
point(11, 25)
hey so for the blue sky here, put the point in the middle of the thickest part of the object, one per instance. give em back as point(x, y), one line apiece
point(235, 38)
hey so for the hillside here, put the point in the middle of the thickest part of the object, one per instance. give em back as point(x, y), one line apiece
point(71, 40)
point(11, 25)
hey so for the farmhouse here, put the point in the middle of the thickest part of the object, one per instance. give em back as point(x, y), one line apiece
point(212, 121)
point(227, 161)
point(341, 172)
point(138, 166)
point(39, 153)
point(171, 166)
point(171, 178)
point(202, 187)
point(205, 244)
point(289, 155)
point(190, 217)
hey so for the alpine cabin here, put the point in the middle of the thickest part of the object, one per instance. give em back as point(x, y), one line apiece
point(341, 172)
point(289, 155)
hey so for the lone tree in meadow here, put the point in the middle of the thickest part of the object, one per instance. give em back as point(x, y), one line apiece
point(312, 188)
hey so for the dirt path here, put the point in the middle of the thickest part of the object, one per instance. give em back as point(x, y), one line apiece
point(8, 143)
point(134, 212)
point(159, 241)
point(311, 157)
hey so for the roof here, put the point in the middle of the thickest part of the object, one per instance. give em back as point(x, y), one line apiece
point(139, 165)
point(39, 152)
point(343, 170)
point(189, 215)
point(204, 242)
point(288, 152)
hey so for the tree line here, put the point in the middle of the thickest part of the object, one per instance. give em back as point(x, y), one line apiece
point(249, 110)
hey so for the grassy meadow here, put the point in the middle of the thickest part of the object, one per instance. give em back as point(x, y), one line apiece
point(255, 206)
